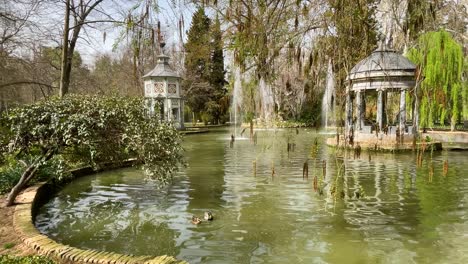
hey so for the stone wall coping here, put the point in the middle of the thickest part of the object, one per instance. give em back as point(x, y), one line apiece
point(43, 245)
point(384, 145)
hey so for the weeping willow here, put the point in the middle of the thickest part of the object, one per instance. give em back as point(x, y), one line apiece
point(440, 60)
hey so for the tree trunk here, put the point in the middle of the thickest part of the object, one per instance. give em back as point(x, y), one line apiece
point(27, 175)
point(65, 82)
point(69, 46)
point(453, 123)
point(416, 103)
point(25, 178)
point(64, 77)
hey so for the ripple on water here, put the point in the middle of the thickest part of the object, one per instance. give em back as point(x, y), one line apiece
point(391, 211)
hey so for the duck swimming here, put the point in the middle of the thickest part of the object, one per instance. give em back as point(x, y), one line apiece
point(208, 216)
point(196, 220)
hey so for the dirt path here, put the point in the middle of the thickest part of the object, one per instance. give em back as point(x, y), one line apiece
point(10, 243)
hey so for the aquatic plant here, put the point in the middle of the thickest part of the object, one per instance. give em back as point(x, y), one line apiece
point(254, 167)
point(445, 169)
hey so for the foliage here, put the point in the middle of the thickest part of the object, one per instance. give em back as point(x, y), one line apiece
point(262, 29)
point(268, 41)
point(349, 36)
point(197, 60)
point(217, 107)
point(217, 57)
point(356, 36)
point(204, 64)
point(142, 33)
point(421, 15)
point(206, 117)
point(6, 259)
point(114, 76)
point(93, 130)
point(9, 245)
point(464, 89)
point(289, 124)
point(440, 59)
point(198, 93)
point(9, 176)
point(311, 114)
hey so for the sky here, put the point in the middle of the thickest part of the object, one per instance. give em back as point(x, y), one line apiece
point(49, 19)
point(169, 15)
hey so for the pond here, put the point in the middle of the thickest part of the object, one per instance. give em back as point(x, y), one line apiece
point(376, 208)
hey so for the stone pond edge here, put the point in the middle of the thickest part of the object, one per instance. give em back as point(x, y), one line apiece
point(23, 222)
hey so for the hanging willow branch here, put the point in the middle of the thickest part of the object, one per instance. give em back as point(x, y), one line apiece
point(441, 59)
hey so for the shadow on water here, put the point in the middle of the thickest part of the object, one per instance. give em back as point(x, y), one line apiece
point(205, 164)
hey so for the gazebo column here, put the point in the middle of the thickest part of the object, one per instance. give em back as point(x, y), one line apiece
point(166, 109)
point(360, 107)
point(349, 113)
point(169, 109)
point(380, 109)
point(181, 113)
point(402, 111)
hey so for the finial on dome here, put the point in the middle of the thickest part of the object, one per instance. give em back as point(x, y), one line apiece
point(161, 41)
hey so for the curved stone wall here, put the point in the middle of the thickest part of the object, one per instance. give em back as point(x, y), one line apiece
point(23, 220)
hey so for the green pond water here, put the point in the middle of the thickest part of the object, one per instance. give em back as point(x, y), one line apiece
point(383, 209)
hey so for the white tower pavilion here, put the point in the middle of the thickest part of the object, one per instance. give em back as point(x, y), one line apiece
point(163, 84)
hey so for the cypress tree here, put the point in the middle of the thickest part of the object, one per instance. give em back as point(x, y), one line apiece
point(204, 64)
point(217, 57)
point(218, 108)
point(197, 48)
point(197, 62)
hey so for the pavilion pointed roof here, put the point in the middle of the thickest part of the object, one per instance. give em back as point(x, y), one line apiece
point(162, 69)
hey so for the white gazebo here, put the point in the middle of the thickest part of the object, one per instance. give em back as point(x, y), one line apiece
point(163, 84)
point(383, 71)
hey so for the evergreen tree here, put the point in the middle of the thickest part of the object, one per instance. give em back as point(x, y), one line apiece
point(204, 64)
point(197, 61)
point(197, 48)
point(217, 72)
point(217, 57)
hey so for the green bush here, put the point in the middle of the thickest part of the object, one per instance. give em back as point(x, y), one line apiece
point(87, 130)
point(249, 116)
point(11, 171)
point(206, 118)
point(6, 259)
point(10, 174)
point(9, 245)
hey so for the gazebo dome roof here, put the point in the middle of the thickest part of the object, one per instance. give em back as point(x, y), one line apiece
point(162, 69)
point(383, 68)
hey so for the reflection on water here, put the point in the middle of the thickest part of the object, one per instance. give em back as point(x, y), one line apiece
point(384, 209)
